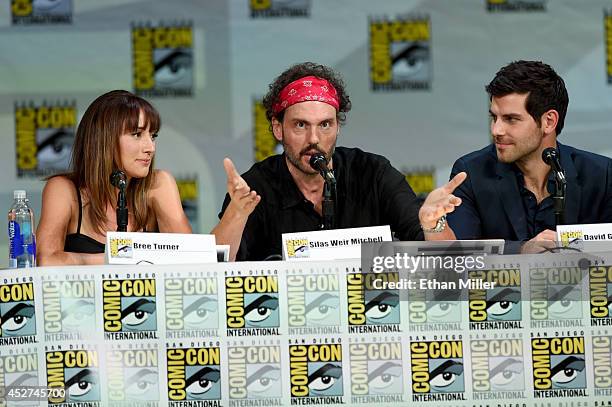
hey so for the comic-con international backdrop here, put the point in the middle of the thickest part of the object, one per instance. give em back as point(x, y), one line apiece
point(415, 71)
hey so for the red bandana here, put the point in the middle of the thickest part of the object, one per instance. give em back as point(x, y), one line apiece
point(307, 89)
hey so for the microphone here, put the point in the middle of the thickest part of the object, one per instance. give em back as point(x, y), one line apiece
point(319, 162)
point(549, 155)
point(118, 179)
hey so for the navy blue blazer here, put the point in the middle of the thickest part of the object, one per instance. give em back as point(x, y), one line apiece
point(492, 207)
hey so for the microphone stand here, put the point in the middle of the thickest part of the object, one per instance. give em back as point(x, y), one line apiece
point(122, 210)
point(329, 206)
point(559, 196)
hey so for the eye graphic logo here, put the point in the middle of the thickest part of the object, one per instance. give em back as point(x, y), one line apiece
point(298, 248)
point(17, 312)
point(162, 59)
point(515, 5)
point(20, 370)
point(316, 370)
point(437, 367)
point(69, 306)
point(558, 364)
point(313, 300)
point(400, 54)
point(252, 302)
point(376, 368)
point(43, 138)
point(497, 365)
point(132, 375)
point(254, 372)
point(502, 303)
point(369, 305)
point(279, 8)
point(263, 140)
point(434, 306)
point(129, 305)
point(191, 303)
point(567, 237)
point(76, 371)
point(121, 248)
point(602, 364)
point(600, 291)
point(41, 12)
point(194, 374)
point(556, 294)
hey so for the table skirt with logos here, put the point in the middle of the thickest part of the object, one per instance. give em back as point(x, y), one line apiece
point(509, 329)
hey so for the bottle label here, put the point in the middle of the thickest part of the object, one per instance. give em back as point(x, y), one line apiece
point(15, 240)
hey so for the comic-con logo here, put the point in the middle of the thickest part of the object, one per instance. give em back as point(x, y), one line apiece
point(17, 314)
point(316, 371)
point(162, 59)
point(433, 309)
point(121, 248)
point(69, 306)
point(298, 248)
point(498, 366)
point(488, 308)
point(570, 236)
point(602, 365)
point(264, 143)
point(129, 306)
point(369, 306)
point(279, 8)
point(556, 294)
point(515, 5)
point(608, 41)
point(376, 369)
point(193, 374)
point(41, 11)
point(188, 191)
point(18, 369)
point(191, 303)
point(77, 372)
point(252, 302)
point(132, 375)
point(600, 292)
point(437, 370)
point(422, 181)
point(313, 300)
point(254, 372)
point(43, 138)
point(558, 366)
point(400, 54)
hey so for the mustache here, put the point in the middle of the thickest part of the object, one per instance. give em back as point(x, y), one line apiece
point(312, 147)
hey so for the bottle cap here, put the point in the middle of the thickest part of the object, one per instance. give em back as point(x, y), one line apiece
point(19, 194)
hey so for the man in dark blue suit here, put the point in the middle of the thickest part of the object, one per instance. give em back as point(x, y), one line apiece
point(507, 194)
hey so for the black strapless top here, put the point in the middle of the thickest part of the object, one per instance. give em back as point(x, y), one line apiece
point(79, 243)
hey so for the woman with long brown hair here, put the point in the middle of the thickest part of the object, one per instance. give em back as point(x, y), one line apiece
point(117, 132)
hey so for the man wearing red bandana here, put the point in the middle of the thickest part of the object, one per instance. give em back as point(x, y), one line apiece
point(306, 106)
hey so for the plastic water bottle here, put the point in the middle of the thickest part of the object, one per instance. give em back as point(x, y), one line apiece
point(22, 242)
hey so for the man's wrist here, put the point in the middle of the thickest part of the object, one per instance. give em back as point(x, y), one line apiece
point(440, 226)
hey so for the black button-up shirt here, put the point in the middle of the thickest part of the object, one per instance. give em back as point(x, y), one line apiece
point(370, 192)
point(540, 216)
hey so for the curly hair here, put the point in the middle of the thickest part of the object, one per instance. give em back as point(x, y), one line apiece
point(298, 71)
point(544, 88)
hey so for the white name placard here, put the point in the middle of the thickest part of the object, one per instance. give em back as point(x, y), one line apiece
point(159, 248)
point(572, 235)
point(334, 244)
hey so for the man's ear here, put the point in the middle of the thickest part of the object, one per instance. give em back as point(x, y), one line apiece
point(549, 121)
point(277, 129)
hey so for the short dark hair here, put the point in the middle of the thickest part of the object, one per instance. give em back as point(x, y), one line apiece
point(545, 89)
point(298, 71)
